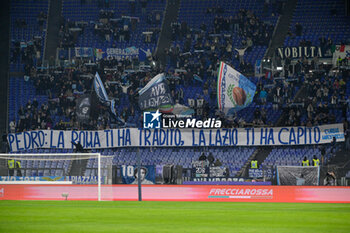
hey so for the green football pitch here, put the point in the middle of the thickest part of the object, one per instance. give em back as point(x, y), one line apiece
point(128, 217)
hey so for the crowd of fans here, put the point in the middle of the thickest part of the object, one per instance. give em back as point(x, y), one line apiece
point(247, 25)
point(28, 52)
point(324, 99)
point(64, 85)
point(69, 32)
point(192, 64)
point(110, 28)
point(215, 41)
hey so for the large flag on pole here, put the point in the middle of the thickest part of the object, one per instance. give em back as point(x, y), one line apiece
point(102, 94)
point(235, 91)
point(100, 89)
point(156, 95)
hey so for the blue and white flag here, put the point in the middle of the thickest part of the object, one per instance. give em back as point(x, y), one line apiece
point(156, 95)
point(102, 94)
point(196, 77)
point(182, 111)
point(157, 79)
point(235, 91)
point(100, 89)
point(112, 105)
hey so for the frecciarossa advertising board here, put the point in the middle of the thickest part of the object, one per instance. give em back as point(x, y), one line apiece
point(215, 193)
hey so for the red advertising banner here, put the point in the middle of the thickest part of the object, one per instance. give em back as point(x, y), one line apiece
point(219, 193)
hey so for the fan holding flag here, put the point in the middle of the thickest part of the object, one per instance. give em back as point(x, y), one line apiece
point(103, 97)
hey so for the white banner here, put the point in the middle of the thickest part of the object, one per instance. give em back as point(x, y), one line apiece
point(176, 137)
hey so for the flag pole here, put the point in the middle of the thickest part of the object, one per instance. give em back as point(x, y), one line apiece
point(139, 174)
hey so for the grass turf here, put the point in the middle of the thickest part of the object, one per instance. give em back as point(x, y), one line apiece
point(128, 217)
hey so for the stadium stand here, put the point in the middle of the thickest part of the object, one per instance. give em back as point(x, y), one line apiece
point(326, 93)
point(28, 27)
point(332, 27)
point(117, 26)
point(203, 35)
point(293, 157)
point(213, 23)
point(234, 159)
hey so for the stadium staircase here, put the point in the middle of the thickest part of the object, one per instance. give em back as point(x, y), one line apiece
point(53, 26)
point(245, 168)
point(260, 155)
point(170, 16)
point(263, 152)
point(282, 27)
point(4, 64)
point(78, 167)
point(301, 94)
